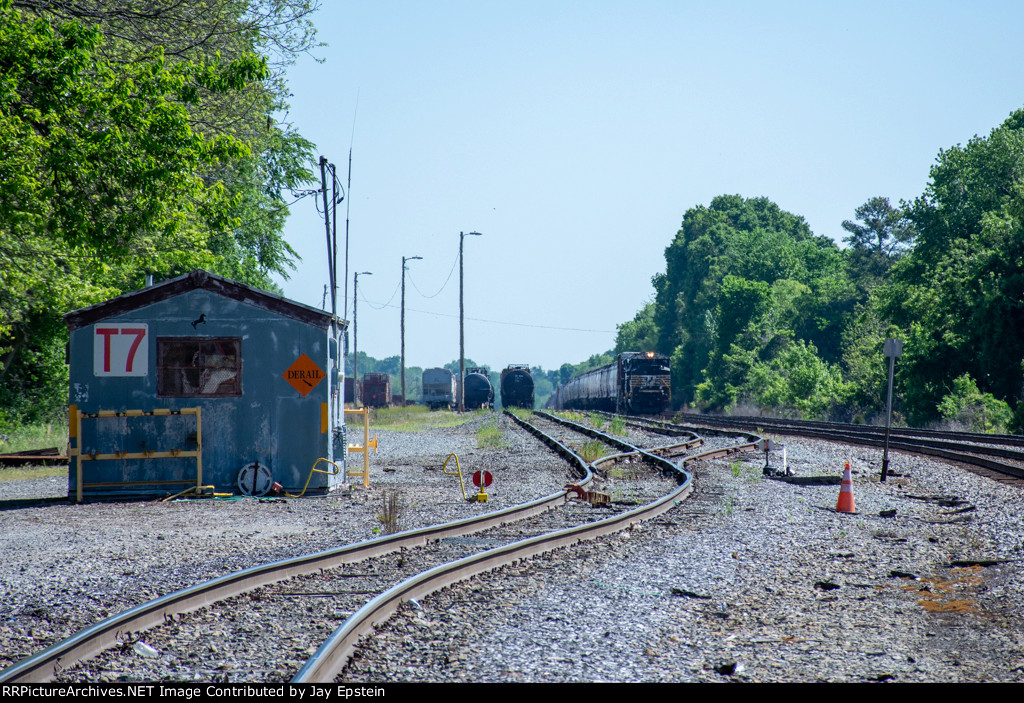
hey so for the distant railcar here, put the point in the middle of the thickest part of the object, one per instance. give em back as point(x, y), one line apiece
point(637, 382)
point(517, 387)
point(479, 392)
point(438, 388)
point(353, 390)
point(376, 390)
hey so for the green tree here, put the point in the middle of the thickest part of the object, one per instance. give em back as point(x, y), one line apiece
point(958, 296)
point(879, 237)
point(638, 334)
point(748, 242)
point(981, 412)
point(116, 159)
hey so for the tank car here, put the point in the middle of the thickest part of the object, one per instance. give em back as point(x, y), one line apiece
point(517, 387)
point(438, 388)
point(637, 382)
point(479, 392)
point(376, 390)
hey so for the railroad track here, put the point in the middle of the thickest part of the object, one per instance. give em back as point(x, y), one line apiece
point(994, 456)
point(304, 581)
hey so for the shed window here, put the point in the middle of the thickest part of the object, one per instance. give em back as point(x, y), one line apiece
point(191, 367)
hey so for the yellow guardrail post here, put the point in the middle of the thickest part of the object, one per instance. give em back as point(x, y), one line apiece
point(457, 472)
point(365, 446)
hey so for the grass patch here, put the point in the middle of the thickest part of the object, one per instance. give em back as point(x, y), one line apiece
point(21, 473)
point(39, 436)
point(591, 451)
point(521, 413)
point(618, 426)
point(490, 436)
point(392, 510)
point(416, 418)
point(573, 416)
point(625, 473)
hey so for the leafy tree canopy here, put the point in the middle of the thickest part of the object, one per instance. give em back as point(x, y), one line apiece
point(958, 296)
point(119, 158)
point(732, 264)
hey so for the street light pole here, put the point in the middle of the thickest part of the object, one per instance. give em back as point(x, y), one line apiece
point(355, 336)
point(462, 339)
point(404, 259)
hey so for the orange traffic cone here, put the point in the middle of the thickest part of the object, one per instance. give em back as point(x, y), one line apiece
point(845, 502)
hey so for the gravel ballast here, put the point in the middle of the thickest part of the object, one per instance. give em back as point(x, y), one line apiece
point(751, 579)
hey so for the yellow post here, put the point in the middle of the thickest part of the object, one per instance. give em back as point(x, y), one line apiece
point(365, 446)
point(199, 448)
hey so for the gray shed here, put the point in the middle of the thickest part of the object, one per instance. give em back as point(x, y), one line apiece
point(201, 382)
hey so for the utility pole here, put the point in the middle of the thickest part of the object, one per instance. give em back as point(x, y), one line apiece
point(355, 336)
point(327, 227)
point(462, 339)
point(404, 259)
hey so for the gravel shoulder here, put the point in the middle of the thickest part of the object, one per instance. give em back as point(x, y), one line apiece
point(751, 579)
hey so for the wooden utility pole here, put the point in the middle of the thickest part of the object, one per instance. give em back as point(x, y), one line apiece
point(404, 259)
point(355, 337)
point(462, 339)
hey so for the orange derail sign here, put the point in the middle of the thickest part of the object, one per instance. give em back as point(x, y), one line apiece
point(304, 375)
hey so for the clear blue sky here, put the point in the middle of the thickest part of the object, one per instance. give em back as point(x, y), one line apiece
point(575, 135)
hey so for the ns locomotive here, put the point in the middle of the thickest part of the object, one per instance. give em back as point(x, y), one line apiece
point(517, 387)
point(637, 383)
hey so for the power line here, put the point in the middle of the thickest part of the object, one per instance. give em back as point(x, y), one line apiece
point(443, 285)
point(492, 322)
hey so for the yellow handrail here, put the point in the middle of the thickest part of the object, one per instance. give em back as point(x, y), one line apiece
point(312, 470)
point(453, 473)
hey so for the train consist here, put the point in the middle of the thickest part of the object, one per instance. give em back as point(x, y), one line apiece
point(376, 390)
point(479, 392)
point(438, 388)
point(637, 383)
point(517, 387)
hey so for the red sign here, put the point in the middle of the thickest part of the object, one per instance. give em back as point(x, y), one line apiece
point(483, 477)
point(120, 350)
point(304, 375)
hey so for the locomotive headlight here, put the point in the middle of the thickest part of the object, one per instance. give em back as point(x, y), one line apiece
point(650, 355)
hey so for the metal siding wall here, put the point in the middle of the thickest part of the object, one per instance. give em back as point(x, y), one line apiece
point(271, 422)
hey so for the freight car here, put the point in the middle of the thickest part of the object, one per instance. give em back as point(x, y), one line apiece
point(517, 387)
point(353, 391)
point(438, 388)
point(376, 390)
point(638, 383)
point(479, 392)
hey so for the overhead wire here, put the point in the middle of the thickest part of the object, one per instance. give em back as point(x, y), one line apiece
point(443, 285)
point(480, 319)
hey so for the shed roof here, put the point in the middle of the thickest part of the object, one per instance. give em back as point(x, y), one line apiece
point(197, 280)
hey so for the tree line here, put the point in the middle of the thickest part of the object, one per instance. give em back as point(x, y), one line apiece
point(136, 138)
point(757, 311)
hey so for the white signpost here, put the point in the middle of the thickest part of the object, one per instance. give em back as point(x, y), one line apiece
point(892, 349)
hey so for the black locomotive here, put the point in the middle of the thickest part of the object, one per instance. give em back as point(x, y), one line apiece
point(517, 387)
point(638, 383)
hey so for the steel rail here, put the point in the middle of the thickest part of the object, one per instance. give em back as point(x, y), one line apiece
point(962, 453)
point(747, 420)
point(332, 656)
point(90, 641)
